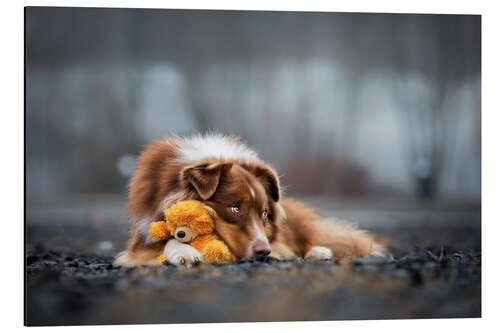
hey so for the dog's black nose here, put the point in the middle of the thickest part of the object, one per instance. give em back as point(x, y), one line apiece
point(181, 234)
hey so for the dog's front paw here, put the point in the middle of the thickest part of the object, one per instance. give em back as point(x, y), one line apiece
point(182, 254)
point(319, 253)
point(382, 252)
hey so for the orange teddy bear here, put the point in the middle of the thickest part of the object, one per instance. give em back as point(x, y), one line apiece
point(192, 222)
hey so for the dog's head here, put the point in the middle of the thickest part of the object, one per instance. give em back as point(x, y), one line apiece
point(246, 198)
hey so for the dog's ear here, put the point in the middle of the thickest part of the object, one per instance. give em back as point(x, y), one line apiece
point(268, 178)
point(205, 177)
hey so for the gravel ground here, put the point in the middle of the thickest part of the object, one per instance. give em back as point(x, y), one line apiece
point(435, 273)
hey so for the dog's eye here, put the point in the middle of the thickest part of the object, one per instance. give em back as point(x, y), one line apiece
point(264, 215)
point(235, 209)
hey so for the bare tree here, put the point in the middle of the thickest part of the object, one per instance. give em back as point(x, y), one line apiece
point(424, 86)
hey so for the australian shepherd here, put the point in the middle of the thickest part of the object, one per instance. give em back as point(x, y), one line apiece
point(254, 218)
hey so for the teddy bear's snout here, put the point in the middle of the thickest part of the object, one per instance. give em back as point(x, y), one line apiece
point(185, 234)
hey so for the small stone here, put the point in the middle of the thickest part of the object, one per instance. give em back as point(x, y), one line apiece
point(31, 259)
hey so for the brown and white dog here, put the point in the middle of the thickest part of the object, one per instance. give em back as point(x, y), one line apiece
point(254, 219)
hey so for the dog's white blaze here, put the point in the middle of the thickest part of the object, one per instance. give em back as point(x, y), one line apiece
point(262, 237)
point(219, 146)
point(257, 235)
point(252, 192)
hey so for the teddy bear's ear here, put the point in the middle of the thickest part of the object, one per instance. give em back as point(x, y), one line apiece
point(204, 177)
point(211, 212)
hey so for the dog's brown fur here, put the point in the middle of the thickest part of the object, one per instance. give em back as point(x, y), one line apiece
point(163, 176)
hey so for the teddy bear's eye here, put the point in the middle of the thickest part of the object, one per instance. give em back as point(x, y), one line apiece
point(264, 215)
point(235, 209)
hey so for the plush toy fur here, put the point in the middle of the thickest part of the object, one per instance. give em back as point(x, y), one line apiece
point(195, 221)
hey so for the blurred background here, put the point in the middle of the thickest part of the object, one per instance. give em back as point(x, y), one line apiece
point(350, 108)
point(371, 118)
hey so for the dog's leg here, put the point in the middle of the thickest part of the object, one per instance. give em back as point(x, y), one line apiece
point(319, 253)
point(127, 259)
point(182, 254)
point(139, 253)
point(281, 251)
